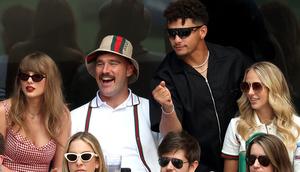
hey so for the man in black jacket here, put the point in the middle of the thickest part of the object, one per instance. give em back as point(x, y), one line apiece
point(197, 84)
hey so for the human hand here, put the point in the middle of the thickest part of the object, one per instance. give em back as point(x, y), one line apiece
point(163, 96)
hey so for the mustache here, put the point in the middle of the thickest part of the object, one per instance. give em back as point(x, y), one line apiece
point(105, 75)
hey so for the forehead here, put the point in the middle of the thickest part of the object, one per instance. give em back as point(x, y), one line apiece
point(252, 76)
point(180, 154)
point(79, 146)
point(109, 57)
point(256, 149)
point(178, 23)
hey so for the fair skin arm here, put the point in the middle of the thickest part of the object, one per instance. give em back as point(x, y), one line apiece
point(62, 139)
point(231, 165)
point(3, 127)
point(3, 118)
point(169, 122)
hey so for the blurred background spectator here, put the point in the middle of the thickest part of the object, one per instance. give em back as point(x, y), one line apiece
point(54, 33)
point(17, 26)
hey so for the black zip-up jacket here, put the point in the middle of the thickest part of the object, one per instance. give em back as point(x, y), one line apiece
point(204, 106)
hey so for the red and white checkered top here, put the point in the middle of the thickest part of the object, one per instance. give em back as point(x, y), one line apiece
point(21, 155)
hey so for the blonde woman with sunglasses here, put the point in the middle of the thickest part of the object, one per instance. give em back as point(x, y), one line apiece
point(83, 152)
point(265, 106)
point(35, 121)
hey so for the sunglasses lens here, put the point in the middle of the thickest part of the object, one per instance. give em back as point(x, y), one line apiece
point(182, 32)
point(71, 157)
point(245, 87)
point(23, 76)
point(172, 33)
point(37, 77)
point(163, 161)
point(264, 160)
point(251, 159)
point(185, 32)
point(86, 156)
point(256, 86)
point(177, 163)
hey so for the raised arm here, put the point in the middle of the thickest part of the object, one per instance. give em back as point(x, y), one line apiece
point(169, 121)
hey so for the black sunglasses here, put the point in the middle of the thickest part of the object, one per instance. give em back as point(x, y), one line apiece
point(256, 86)
point(262, 159)
point(85, 156)
point(177, 163)
point(34, 77)
point(182, 32)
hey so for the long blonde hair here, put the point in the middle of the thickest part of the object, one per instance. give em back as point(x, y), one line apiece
point(52, 107)
point(279, 99)
point(92, 141)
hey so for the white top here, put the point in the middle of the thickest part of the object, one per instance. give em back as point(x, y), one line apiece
point(234, 143)
point(115, 130)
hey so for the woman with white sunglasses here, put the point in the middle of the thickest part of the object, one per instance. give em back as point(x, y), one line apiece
point(83, 152)
point(265, 106)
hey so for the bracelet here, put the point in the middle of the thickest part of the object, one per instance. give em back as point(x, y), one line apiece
point(167, 113)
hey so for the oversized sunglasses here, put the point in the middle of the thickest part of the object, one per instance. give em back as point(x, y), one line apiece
point(34, 77)
point(262, 159)
point(182, 32)
point(177, 163)
point(256, 86)
point(85, 156)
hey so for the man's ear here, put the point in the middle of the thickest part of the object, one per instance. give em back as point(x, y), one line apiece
point(203, 31)
point(130, 70)
point(193, 166)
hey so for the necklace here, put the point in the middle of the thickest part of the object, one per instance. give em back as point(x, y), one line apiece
point(201, 71)
point(32, 116)
point(201, 65)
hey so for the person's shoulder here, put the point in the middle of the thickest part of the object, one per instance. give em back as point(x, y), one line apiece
point(3, 105)
point(230, 55)
point(234, 120)
point(227, 51)
point(80, 109)
point(296, 119)
point(170, 64)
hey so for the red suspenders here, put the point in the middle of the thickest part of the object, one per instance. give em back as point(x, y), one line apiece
point(88, 117)
point(137, 136)
point(136, 129)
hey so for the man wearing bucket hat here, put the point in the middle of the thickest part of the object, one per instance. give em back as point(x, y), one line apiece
point(117, 117)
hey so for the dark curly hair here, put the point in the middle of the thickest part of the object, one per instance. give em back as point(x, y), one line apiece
point(183, 9)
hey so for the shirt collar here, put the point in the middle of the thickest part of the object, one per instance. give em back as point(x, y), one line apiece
point(258, 122)
point(131, 100)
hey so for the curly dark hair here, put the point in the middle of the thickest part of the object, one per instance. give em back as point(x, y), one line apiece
point(183, 9)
